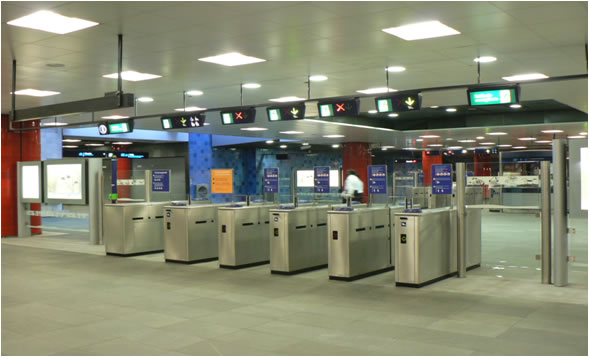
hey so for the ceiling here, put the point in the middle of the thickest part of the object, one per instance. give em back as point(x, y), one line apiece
point(342, 40)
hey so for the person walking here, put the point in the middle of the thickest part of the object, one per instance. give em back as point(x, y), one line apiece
point(353, 187)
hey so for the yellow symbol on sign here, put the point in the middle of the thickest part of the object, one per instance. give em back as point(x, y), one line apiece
point(410, 101)
point(294, 112)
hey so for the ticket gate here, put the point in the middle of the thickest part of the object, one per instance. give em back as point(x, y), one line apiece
point(243, 235)
point(133, 228)
point(425, 245)
point(190, 233)
point(359, 242)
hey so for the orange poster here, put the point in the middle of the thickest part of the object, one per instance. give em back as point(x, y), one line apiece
point(222, 181)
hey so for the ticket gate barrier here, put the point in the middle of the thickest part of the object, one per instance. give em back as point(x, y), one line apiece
point(134, 228)
point(359, 242)
point(243, 233)
point(425, 245)
point(190, 233)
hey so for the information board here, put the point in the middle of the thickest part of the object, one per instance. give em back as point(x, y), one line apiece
point(115, 128)
point(349, 107)
point(442, 179)
point(160, 181)
point(65, 181)
point(222, 181)
point(399, 103)
point(293, 112)
point(321, 179)
point(377, 179)
point(271, 179)
point(238, 116)
point(493, 96)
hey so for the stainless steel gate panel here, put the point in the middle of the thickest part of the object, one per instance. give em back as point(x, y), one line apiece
point(190, 233)
point(359, 243)
point(243, 235)
point(134, 228)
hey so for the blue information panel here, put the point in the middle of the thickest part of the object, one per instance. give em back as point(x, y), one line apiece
point(271, 179)
point(160, 181)
point(442, 179)
point(321, 179)
point(377, 179)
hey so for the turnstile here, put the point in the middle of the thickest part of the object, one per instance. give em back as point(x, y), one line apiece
point(190, 233)
point(133, 228)
point(298, 239)
point(243, 235)
point(425, 245)
point(359, 242)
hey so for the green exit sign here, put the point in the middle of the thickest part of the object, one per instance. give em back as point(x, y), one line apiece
point(493, 96)
point(119, 128)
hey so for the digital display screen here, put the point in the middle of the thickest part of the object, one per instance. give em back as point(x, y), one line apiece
point(399, 103)
point(31, 182)
point(239, 116)
point(64, 181)
point(293, 112)
point(305, 178)
point(340, 108)
point(184, 121)
point(115, 128)
point(493, 96)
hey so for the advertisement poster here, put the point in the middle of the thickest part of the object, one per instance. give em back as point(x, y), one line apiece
point(222, 181)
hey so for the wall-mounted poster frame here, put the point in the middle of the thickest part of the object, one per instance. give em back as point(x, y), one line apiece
point(65, 181)
point(30, 176)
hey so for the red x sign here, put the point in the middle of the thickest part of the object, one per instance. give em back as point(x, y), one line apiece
point(238, 115)
point(340, 107)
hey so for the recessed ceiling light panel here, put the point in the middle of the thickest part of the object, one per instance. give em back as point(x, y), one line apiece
point(396, 69)
point(232, 59)
point(189, 109)
point(36, 92)
point(286, 99)
point(251, 85)
point(291, 132)
point(429, 136)
point(485, 59)
point(115, 117)
point(133, 76)
point(552, 131)
point(526, 139)
point(318, 78)
point(422, 30)
point(194, 93)
point(333, 136)
point(253, 128)
point(49, 21)
point(497, 133)
point(145, 99)
point(376, 90)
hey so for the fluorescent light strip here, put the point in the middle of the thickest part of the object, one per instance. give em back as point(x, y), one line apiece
point(376, 90)
point(395, 69)
point(232, 59)
point(287, 99)
point(194, 93)
point(145, 99)
point(346, 124)
point(54, 124)
point(526, 139)
point(429, 136)
point(497, 133)
point(486, 143)
point(543, 142)
point(333, 136)
point(115, 117)
point(435, 145)
point(504, 146)
point(71, 140)
point(132, 76)
point(36, 92)
point(519, 147)
point(122, 143)
point(251, 85)
point(254, 129)
point(421, 30)
point(318, 78)
point(576, 137)
point(49, 21)
point(467, 141)
point(485, 59)
point(552, 131)
point(189, 109)
point(291, 132)
point(525, 77)
point(70, 146)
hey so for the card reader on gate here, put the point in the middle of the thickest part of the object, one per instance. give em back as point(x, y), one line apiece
point(412, 210)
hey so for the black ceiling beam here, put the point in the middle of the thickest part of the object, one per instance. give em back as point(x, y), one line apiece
point(108, 102)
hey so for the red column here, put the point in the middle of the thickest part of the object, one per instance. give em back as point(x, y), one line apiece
point(12, 152)
point(357, 156)
point(427, 160)
point(124, 172)
point(482, 165)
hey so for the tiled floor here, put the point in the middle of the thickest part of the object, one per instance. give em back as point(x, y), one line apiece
point(63, 302)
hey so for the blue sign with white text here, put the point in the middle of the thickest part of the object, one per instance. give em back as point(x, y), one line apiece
point(442, 179)
point(271, 179)
point(377, 179)
point(321, 179)
point(160, 181)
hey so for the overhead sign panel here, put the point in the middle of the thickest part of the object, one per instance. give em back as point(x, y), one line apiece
point(399, 103)
point(239, 116)
point(493, 96)
point(115, 128)
point(291, 112)
point(195, 120)
point(349, 107)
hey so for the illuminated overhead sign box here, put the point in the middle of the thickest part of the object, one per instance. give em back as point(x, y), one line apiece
point(121, 127)
point(399, 103)
point(493, 96)
point(183, 121)
point(348, 107)
point(291, 112)
point(239, 116)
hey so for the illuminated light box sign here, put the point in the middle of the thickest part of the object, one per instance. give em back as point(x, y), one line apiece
point(115, 128)
point(65, 181)
point(183, 121)
point(399, 103)
point(291, 112)
point(493, 96)
point(340, 108)
point(31, 181)
point(238, 116)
